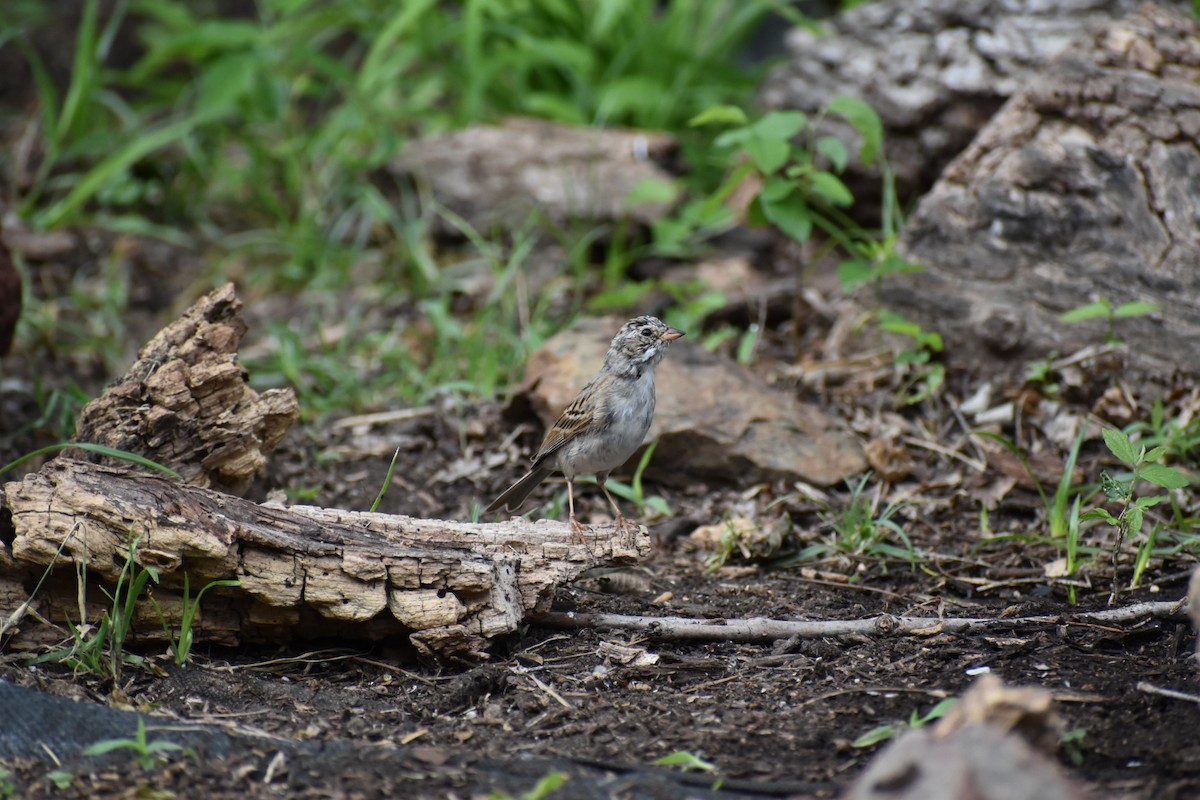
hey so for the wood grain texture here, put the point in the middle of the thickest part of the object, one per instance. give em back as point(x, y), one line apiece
point(451, 588)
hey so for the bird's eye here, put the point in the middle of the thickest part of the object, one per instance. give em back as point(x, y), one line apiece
point(647, 332)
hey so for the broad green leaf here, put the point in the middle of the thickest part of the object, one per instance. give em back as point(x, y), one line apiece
point(768, 153)
point(1098, 513)
point(1097, 310)
point(226, 81)
point(1116, 491)
point(791, 216)
point(854, 273)
point(719, 115)
point(1154, 453)
point(865, 121)
point(776, 189)
point(1164, 476)
point(1120, 446)
point(829, 186)
point(1133, 518)
point(781, 125)
point(833, 149)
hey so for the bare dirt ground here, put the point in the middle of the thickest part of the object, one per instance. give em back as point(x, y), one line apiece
point(777, 719)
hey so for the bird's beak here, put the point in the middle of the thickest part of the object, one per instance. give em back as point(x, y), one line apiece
point(671, 334)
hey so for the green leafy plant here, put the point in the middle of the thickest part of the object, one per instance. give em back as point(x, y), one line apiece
point(148, 753)
point(181, 646)
point(99, 648)
point(859, 527)
point(926, 376)
point(7, 787)
point(1143, 466)
point(1062, 509)
point(883, 733)
point(1072, 743)
point(1104, 309)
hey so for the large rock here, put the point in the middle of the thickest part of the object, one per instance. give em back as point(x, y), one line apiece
point(1085, 186)
point(714, 419)
point(935, 70)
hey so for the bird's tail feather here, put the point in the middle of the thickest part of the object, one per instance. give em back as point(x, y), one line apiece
point(515, 495)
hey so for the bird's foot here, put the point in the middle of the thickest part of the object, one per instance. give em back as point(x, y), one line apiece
point(577, 529)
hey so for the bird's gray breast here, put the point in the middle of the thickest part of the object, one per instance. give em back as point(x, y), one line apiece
point(627, 417)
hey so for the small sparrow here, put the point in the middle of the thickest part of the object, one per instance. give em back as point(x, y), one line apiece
point(605, 422)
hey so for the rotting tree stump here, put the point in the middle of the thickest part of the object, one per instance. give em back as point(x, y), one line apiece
point(450, 587)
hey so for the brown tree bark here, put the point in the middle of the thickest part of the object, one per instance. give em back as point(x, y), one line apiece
point(450, 587)
point(186, 403)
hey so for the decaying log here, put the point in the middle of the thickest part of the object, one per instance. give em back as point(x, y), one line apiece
point(185, 402)
point(303, 571)
point(1085, 186)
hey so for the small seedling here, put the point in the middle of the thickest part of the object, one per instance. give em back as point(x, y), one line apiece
point(181, 648)
point(692, 763)
point(387, 481)
point(884, 733)
point(1104, 309)
point(1143, 466)
point(61, 779)
point(926, 375)
point(148, 753)
point(861, 528)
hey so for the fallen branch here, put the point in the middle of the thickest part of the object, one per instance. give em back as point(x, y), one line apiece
point(451, 587)
point(762, 630)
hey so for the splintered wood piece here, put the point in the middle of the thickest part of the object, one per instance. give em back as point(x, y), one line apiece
point(186, 403)
point(304, 572)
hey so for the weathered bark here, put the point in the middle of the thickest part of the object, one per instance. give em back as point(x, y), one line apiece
point(303, 571)
point(500, 175)
point(185, 402)
point(1086, 186)
point(935, 70)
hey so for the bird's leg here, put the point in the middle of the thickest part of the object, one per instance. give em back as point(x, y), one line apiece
point(576, 528)
point(622, 523)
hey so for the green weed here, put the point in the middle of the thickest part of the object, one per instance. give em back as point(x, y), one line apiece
point(883, 733)
point(925, 376)
point(1143, 466)
point(861, 528)
point(181, 646)
point(690, 762)
point(99, 648)
point(148, 753)
point(1104, 309)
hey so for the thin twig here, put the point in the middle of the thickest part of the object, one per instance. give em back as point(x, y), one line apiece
point(760, 629)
